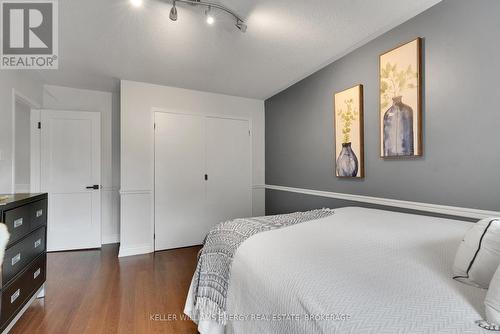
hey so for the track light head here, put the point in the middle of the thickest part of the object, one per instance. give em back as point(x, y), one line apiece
point(241, 25)
point(210, 18)
point(136, 3)
point(173, 13)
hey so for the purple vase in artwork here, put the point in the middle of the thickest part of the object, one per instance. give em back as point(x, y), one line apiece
point(398, 129)
point(347, 162)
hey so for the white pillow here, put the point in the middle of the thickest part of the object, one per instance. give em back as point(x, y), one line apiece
point(492, 301)
point(478, 256)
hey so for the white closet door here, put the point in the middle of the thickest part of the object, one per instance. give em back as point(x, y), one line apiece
point(229, 169)
point(179, 180)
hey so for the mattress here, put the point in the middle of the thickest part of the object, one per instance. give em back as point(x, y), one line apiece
point(357, 271)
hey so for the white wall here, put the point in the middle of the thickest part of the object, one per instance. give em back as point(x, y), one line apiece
point(29, 84)
point(64, 98)
point(137, 139)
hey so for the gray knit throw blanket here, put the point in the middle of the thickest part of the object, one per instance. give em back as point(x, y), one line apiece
point(211, 278)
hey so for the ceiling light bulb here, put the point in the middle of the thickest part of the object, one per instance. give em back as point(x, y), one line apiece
point(173, 13)
point(136, 3)
point(210, 18)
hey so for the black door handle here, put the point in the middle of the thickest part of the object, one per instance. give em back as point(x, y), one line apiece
point(95, 187)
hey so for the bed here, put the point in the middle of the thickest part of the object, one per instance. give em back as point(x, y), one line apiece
point(355, 271)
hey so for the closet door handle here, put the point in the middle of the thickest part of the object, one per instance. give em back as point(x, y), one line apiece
point(206, 177)
point(95, 187)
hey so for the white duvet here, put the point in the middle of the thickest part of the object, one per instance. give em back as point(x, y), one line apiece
point(357, 271)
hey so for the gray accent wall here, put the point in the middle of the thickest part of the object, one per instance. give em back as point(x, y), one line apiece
point(461, 108)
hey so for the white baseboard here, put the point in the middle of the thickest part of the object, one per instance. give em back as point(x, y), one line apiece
point(110, 239)
point(39, 294)
point(418, 206)
point(135, 250)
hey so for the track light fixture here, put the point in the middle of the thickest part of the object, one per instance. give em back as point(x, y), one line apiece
point(240, 23)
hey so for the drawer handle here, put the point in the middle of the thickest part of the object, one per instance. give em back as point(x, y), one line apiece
point(36, 273)
point(16, 259)
point(39, 213)
point(15, 295)
point(18, 222)
point(38, 243)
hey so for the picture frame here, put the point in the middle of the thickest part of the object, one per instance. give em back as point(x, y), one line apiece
point(349, 133)
point(400, 101)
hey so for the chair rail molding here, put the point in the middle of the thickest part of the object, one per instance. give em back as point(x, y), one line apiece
point(418, 206)
point(135, 192)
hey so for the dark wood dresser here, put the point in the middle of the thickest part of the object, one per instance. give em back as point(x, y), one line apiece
point(24, 266)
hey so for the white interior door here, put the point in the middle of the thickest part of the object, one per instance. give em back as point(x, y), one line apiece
point(70, 152)
point(179, 180)
point(229, 169)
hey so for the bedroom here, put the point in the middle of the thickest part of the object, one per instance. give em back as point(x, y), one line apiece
point(249, 166)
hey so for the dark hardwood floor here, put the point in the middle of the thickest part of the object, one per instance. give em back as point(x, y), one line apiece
point(95, 292)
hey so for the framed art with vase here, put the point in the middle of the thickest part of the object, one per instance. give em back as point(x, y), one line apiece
point(349, 136)
point(400, 101)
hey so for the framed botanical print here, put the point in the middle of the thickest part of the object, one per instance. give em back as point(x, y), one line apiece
point(400, 101)
point(349, 136)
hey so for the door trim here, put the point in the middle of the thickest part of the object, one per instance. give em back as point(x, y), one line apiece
point(154, 110)
point(16, 95)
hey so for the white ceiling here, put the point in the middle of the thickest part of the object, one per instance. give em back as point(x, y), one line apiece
point(102, 41)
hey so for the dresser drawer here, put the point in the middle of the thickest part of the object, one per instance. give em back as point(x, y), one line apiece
point(22, 253)
point(22, 289)
point(38, 212)
point(24, 219)
point(18, 222)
